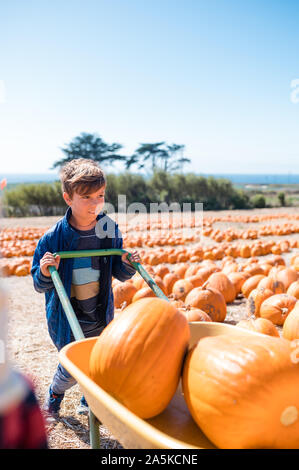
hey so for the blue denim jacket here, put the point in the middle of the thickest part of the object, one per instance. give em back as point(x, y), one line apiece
point(62, 237)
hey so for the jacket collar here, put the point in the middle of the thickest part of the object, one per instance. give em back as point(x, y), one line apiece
point(65, 221)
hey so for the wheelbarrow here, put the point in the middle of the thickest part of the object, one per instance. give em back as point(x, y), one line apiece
point(174, 428)
point(73, 321)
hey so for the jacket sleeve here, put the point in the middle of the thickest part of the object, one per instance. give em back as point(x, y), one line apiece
point(41, 283)
point(121, 271)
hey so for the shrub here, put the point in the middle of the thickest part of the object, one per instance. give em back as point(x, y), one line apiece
point(258, 201)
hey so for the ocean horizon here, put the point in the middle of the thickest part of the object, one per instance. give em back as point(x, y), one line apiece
point(235, 178)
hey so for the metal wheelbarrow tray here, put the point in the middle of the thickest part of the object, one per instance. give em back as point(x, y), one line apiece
point(174, 428)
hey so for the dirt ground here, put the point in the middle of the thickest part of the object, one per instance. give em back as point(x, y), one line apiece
point(32, 352)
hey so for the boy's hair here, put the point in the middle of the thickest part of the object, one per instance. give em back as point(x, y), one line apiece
point(81, 175)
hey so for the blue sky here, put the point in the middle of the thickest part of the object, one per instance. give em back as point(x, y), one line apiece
point(212, 75)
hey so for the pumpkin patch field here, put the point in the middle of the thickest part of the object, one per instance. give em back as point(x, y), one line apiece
point(236, 267)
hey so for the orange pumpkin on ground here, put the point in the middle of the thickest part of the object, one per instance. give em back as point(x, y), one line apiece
point(123, 292)
point(138, 357)
point(142, 293)
point(238, 279)
point(22, 270)
point(290, 329)
point(161, 270)
point(208, 299)
point(181, 288)
point(195, 314)
point(168, 281)
point(180, 269)
point(197, 280)
point(222, 283)
point(191, 271)
point(277, 307)
point(260, 325)
point(242, 391)
point(277, 287)
point(254, 269)
point(287, 276)
point(294, 289)
point(256, 298)
point(251, 284)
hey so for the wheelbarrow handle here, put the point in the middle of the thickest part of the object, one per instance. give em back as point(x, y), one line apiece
point(116, 251)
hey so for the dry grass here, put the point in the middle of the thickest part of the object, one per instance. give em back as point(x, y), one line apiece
point(31, 350)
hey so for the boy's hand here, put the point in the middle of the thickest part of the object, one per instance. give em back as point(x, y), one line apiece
point(134, 257)
point(48, 260)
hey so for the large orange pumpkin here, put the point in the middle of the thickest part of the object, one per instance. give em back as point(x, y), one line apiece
point(138, 357)
point(209, 300)
point(242, 391)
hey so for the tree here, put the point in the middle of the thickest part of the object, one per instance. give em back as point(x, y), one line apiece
point(145, 153)
point(162, 157)
point(173, 161)
point(91, 146)
point(282, 198)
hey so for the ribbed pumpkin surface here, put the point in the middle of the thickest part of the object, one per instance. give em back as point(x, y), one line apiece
point(243, 391)
point(138, 357)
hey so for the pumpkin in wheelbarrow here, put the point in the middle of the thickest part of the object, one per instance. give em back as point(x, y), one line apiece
point(242, 391)
point(138, 357)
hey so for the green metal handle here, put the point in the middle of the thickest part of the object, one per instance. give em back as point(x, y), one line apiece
point(65, 301)
point(66, 304)
point(115, 251)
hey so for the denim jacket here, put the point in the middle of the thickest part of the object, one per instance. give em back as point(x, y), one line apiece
point(62, 237)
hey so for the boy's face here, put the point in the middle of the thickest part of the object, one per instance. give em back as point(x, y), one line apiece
point(86, 207)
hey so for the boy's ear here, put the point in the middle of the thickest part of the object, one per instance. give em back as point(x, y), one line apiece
point(67, 198)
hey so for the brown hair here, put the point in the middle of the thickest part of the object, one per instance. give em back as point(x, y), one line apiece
point(81, 175)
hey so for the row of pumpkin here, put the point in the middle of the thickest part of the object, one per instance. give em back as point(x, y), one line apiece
point(16, 256)
point(270, 287)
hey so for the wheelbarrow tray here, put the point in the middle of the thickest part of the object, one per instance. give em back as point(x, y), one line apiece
point(174, 428)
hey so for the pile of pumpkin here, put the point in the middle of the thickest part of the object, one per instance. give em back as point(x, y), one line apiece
point(241, 390)
point(203, 290)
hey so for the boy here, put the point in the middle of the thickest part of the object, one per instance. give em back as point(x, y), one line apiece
point(87, 281)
